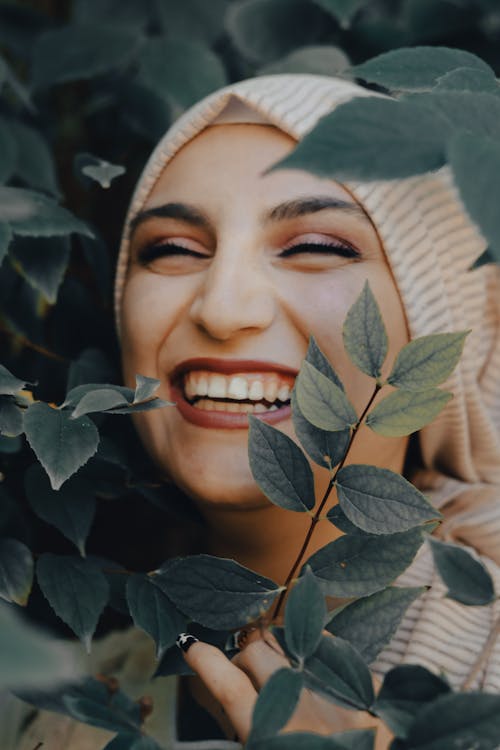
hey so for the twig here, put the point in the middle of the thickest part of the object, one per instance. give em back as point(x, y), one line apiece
point(24, 341)
point(485, 653)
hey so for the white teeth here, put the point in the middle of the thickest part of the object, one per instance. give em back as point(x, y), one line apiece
point(202, 385)
point(238, 388)
point(273, 408)
point(259, 409)
point(234, 407)
point(284, 393)
point(190, 387)
point(271, 390)
point(256, 391)
point(217, 386)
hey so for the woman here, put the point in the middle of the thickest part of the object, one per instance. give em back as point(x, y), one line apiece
point(224, 271)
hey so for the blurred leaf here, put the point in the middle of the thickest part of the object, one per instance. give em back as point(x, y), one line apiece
point(127, 13)
point(467, 579)
point(264, 30)
point(279, 467)
point(94, 703)
point(11, 417)
point(364, 334)
point(405, 690)
point(438, 20)
point(320, 445)
point(381, 501)
point(427, 361)
point(194, 19)
point(317, 359)
point(9, 384)
point(76, 590)
point(153, 611)
point(416, 68)
point(475, 112)
point(35, 164)
point(8, 150)
point(16, 571)
point(404, 412)
point(61, 444)
point(34, 214)
point(304, 616)
point(29, 658)
point(82, 51)
point(91, 366)
point(43, 262)
point(369, 623)
point(218, 593)
point(315, 59)
point(468, 79)
point(181, 70)
point(132, 742)
point(275, 704)
point(356, 739)
point(361, 565)
point(97, 401)
point(322, 402)
point(337, 671)
point(100, 170)
point(145, 388)
point(342, 10)
point(465, 153)
point(76, 394)
point(5, 239)
point(70, 509)
point(19, 26)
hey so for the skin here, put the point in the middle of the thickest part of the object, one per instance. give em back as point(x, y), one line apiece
point(237, 295)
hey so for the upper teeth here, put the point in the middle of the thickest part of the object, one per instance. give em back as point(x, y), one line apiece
point(240, 386)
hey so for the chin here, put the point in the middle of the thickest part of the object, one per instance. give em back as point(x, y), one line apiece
point(219, 492)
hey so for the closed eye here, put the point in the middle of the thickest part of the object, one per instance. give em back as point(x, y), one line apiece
point(149, 253)
point(341, 249)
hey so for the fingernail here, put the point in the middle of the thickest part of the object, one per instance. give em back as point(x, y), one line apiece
point(185, 641)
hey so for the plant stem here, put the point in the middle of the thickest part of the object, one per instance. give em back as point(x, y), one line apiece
point(317, 514)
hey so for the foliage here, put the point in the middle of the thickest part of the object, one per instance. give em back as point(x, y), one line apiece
point(86, 89)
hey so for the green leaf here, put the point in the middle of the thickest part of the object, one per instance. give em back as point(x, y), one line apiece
point(11, 417)
point(99, 400)
point(339, 519)
point(81, 51)
point(315, 59)
point(194, 19)
point(475, 112)
point(342, 10)
point(380, 501)
point(9, 384)
point(43, 262)
point(103, 172)
point(405, 690)
point(35, 164)
point(427, 361)
point(415, 68)
point(404, 412)
point(369, 623)
point(457, 720)
point(8, 150)
point(75, 395)
point(76, 590)
point(132, 742)
point(153, 611)
point(371, 138)
point(317, 359)
point(94, 703)
point(304, 616)
point(467, 579)
point(5, 239)
point(61, 444)
point(275, 704)
point(468, 79)
point(365, 337)
point(181, 70)
point(70, 509)
point(16, 571)
point(337, 671)
point(218, 593)
point(144, 388)
point(309, 741)
point(468, 155)
point(90, 366)
point(29, 658)
point(34, 214)
point(361, 565)
point(355, 739)
point(322, 402)
point(279, 467)
point(325, 448)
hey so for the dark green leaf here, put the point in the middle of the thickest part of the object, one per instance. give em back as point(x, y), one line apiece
point(181, 70)
point(90, 366)
point(76, 590)
point(81, 51)
point(194, 19)
point(152, 611)
point(16, 571)
point(132, 742)
point(61, 444)
point(218, 593)
point(380, 501)
point(279, 467)
point(103, 172)
point(475, 112)
point(468, 155)
point(144, 388)
point(315, 59)
point(8, 150)
point(339, 519)
point(337, 671)
point(99, 400)
point(427, 361)
point(322, 402)
point(404, 412)
point(342, 10)
point(9, 384)
point(369, 138)
point(360, 565)
point(5, 239)
point(365, 337)
point(468, 79)
point(325, 448)
point(275, 704)
point(42, 261)
point(70, 509)
point(416, 68)
point(467, 579)
point(404, 691)
point(317, 359)
point(11, 417)
point(369, 623)
point(94, 703)
point(304, 616)
point(35, 164)
point(468, 720)
point(309, 741)
point(34, 214)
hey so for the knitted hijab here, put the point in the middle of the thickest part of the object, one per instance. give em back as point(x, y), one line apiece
point(430, 245)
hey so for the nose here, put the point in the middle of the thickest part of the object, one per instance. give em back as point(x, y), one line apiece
point(234, 295)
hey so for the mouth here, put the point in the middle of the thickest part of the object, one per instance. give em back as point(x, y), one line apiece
point(222, 393)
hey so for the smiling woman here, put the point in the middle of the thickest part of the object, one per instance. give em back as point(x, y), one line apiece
point(226, 268)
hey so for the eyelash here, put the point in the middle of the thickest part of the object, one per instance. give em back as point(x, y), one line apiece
point(158, 250)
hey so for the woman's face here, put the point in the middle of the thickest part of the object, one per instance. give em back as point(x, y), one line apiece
point(231, 271)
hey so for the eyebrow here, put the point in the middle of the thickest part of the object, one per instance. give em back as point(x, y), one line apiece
point(288, 210)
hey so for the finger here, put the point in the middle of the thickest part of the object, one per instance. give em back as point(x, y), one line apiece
point(225, 681)
point(261, 657)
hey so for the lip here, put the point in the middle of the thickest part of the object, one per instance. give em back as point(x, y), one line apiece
point(217, 419)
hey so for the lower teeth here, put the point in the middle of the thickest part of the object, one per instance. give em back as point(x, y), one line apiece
point(206, 404)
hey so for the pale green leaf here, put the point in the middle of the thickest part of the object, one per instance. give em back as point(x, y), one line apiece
point(317, 359)
point(34, 214)
point(476, 112)
point(364, 334)
point(16, 571)
point(322, 402)
point(427, 361)
point(5, 239)
point(404, 412)
point(304, 616)
point(97, 401)
point(275, 704)
point(11, 417)
point(103, 172)
point(144, 388)
point(325, 448)
point(468, 79)
point(315, 59)
point(9, 384)
point(467, 579)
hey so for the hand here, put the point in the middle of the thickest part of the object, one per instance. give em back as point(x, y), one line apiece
point(231, 688)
